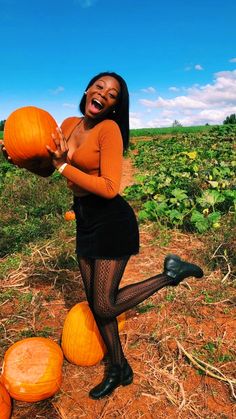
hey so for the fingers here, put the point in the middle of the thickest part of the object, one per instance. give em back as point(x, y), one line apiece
point(58, 154)
point(60, 140)
point(63, 142)
point(50, 150)
point(4, 152)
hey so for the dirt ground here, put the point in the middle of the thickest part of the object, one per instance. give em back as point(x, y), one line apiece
point(163, 339)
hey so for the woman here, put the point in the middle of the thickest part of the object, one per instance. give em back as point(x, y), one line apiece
point(89, 155)
point(89, 152)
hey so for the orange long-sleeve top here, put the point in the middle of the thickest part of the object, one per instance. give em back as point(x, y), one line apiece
point(96, 164)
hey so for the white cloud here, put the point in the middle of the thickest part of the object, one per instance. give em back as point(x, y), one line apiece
point(135, 120)
point(198, 67)
point(149, 90)
point(209, 103)
point(174, 89)
point(178, 102)
point(232, 60)
point(58, 90)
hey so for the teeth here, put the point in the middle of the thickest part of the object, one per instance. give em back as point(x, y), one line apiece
point(98, 103)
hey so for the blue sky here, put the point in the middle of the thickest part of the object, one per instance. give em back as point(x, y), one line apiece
point(178, 57)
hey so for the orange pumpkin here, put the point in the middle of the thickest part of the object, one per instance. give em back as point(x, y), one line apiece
point(69, 215)
point(81, 341)
point(5, 403)
point(32, 369)
point(27, 131)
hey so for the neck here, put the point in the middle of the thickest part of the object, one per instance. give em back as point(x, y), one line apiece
point(89, 123)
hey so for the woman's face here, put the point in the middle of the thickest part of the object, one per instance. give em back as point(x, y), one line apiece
point(102, 97)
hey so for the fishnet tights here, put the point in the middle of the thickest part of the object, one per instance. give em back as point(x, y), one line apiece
point(101, 278)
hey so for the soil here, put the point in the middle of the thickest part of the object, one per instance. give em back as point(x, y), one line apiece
point(160, 337)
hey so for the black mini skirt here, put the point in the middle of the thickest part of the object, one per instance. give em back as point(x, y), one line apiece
point(106, 228)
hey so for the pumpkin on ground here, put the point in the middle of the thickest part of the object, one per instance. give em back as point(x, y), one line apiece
point(5, 403)
point(32, 369)
point(69, 215)
point(81, 341)
point(27, 131)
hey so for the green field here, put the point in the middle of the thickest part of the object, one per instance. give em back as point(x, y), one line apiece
point(184, 181)
point(143, 132)
point(150, 132)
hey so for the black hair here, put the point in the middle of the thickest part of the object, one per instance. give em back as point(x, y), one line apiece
point(121, 115)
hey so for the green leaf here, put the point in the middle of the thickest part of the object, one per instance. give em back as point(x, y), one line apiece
point(143, 215)
point(200, 222)
point(214, 217)
point(179, 194)
point(175, 215)
point(210, 198)
point(213, 183)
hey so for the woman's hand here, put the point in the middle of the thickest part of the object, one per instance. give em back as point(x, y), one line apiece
point(4, 152)
point(59, 156)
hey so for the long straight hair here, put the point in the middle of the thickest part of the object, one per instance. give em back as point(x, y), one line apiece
point(121, 115)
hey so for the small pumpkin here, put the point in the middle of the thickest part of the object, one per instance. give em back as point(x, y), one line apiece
point(69, 215)
point(27, 131)
point(81, 341)
point(32, 369)
point(5, 403)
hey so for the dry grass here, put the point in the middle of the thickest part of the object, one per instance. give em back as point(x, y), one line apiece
point(181, 342)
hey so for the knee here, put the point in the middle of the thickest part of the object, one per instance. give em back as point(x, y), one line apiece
point(102, 310)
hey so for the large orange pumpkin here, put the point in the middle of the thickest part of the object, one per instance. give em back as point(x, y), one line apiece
point(81, 341)
point(27, 131)
point(5, 403)
point(32, 369)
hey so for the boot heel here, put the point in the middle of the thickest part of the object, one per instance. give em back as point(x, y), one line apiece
point(126, 374)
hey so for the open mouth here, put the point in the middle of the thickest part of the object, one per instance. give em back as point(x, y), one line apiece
point(98, 105)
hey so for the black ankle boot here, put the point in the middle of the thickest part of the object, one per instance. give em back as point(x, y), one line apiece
point(127, 374)
point(178, 270)
point(115, 377)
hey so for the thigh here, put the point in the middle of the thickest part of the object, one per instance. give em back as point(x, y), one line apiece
point(86, 266)
point(107, 276)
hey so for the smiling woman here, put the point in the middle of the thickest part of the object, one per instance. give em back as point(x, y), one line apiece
point(89, 154)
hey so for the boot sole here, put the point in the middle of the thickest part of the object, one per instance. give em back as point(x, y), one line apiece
point(127, 381)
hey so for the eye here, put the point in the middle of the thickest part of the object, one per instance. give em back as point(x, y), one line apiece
point(99, 86)
point(113, 96)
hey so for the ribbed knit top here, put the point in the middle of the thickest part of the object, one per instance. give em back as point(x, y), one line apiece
point(96, 164)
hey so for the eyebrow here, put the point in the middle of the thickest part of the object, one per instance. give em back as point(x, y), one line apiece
point(113, 88)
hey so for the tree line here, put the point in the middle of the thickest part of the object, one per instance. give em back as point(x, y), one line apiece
point(231, 119)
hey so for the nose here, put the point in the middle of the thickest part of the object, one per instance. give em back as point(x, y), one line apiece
point(103, 95)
